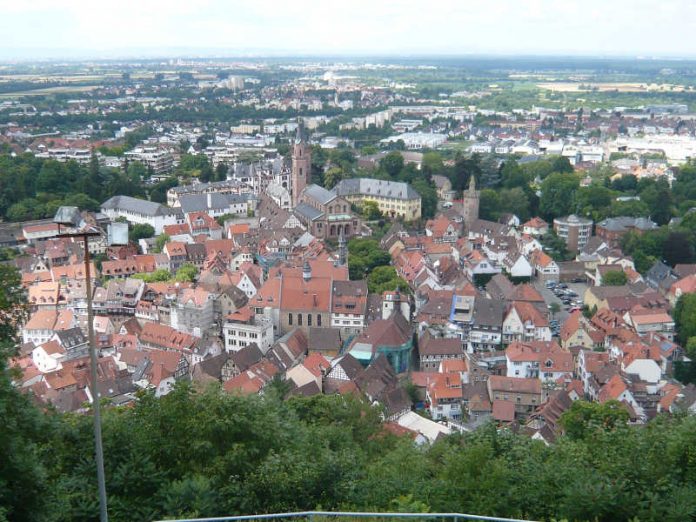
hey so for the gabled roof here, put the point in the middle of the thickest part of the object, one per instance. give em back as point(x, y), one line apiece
point(319, 194)
point(376, 187)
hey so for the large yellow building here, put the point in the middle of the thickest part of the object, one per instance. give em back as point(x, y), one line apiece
point(394, 198)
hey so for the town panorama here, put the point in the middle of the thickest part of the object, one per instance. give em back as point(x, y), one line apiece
point(425, 284)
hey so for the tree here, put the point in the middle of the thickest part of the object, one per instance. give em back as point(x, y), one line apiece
point(428, 195)
point(221, 171)
point(489, 205)
point(614, 278)
point(23, 476)
point(140, 231)
point(685, 317)
point(512, 175)
point(161, 240)
point(158, 276)
point(514, 200)
point(585, 419)
point(678, 248)
point(657, 195)
point(392, 163)
point(554, 308)
point(555, 246)
point(385, 278)
point(432, 164)
point(370, 210)
point(137, 171)
point(187, 273)
point(558, 195)
point(332, 177)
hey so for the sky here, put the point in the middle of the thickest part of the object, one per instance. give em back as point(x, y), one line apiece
point(127, 28)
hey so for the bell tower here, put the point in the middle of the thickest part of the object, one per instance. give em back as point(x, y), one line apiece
point(301, 166)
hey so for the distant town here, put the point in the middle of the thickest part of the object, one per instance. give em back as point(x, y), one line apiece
point(457, 245)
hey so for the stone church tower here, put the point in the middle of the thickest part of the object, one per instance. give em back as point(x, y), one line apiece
point(470, 203)
point(301, 166)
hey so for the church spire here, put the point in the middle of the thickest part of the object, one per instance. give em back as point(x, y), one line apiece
point(472, 183)
point(298, 134)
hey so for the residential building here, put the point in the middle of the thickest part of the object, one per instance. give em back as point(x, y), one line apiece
point(243, 328)
point(574, 230)
point(544, 360)
point(524, 322)
point(525, 393)
point(611, 230)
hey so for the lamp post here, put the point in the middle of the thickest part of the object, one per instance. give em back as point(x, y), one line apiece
point(70, 217)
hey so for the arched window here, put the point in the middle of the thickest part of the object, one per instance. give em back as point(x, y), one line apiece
point(299, 319)
point(318, 320)
point(309, 319)
point(290, 319)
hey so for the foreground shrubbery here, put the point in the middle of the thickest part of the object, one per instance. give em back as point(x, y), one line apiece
point(204, 453)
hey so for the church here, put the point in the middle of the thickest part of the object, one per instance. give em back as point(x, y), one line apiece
point(324, 214)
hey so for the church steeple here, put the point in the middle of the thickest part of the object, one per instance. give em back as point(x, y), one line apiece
point(472, 184)
point(301, 165)
point(470, 203)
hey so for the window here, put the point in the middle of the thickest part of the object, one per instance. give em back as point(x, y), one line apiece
point(290, 319)
point(309, 319)
point(299, 319)
point(318, 320)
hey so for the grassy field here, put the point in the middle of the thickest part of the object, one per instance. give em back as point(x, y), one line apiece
point(63, 89)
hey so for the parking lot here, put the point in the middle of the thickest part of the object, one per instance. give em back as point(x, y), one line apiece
point(550, 297)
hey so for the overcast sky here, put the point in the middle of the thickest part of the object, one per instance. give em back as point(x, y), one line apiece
point(43, 28)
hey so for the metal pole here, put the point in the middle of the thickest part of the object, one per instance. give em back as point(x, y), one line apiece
point(103, 515)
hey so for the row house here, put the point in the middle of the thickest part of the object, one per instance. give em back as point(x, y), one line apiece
point(486, 331)
point(434, 350)
point(243, 328)
point(349, 306)
point(523, 322)
point(192, 311)
point(160, 337)
point(545, 361)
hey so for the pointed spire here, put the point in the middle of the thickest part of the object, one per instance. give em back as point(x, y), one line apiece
point(342, 254)
point(472, 183)
point(298, 134)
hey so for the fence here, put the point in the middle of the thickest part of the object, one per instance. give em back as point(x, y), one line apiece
point(315, 516)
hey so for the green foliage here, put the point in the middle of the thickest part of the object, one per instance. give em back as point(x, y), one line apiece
point(32, 188)
point(187, 273)
point(555, 246)
point(370, 210)
point(558, 195)
point(392, 163)
point(614, 278)
point(678, 248)
point(161, 240)
point(585, 419)
point(428, 194)
point(684, 314)
point(645, 248)
point(364, 255)
point(385, 278)
point(140, 231)
point(158, 276)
